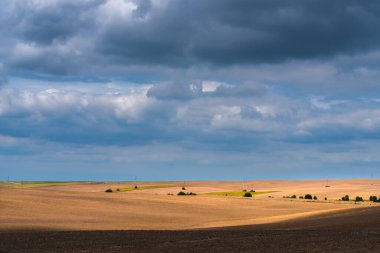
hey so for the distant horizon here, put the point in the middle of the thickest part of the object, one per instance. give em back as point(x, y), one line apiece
point(188, 180)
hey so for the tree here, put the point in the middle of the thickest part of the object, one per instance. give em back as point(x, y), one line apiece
point(373, 198)
point(108, 190)
point(358, 199)
point(308, 196)
point(247, 195)
point(346, 198)
point(315, 198)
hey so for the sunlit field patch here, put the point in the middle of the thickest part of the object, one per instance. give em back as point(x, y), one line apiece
point(30, 184)
point(143, 187)
point(236, 194)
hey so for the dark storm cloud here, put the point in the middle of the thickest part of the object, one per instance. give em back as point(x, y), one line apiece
point(236, 32)
point(185, 33)
point(49, 23)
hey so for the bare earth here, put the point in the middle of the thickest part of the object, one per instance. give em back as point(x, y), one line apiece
point(61, 218)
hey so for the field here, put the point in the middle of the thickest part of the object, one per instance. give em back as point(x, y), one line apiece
point(39, 207)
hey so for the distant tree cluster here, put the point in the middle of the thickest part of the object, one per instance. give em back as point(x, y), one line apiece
point(357, 198)
point(307, 196)
point(181, 193)
point(290, 197)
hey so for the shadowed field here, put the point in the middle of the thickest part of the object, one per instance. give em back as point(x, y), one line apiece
point(356, 230)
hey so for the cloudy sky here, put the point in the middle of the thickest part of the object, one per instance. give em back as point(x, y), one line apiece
point(190, 89)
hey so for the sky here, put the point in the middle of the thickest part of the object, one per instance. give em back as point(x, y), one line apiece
point(189, 90)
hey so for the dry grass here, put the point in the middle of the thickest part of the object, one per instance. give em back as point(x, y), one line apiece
point(73, 206)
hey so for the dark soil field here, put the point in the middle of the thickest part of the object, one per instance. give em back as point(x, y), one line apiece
point(354, 230)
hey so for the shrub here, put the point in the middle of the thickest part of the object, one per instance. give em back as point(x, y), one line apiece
point(192, 193)
point(293, 196)
point(136, 187)
point(325, 198)
point(315, 198)
point(244, 190)
point(301, 197)
point(252, 191)
point(373, 198)
point(346, 198)
point(308, 196)
point(118, 189)
point(108, 190)
point(183, 188)
point(247, 195)
point(358, 199)
point(181, 193)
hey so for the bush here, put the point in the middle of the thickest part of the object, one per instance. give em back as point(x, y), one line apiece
point(136, 187)
point(192, 193)
point(183, 188)
point(373, 198)
point(118, 189)
point(244, 190)
point(252, 191)
point(346, 198)
point(181, 193)
point(325, 198)
point(108, 190)
point(315, 198)
point(293, 196)
point(247, 195)
point(308, 196)
point(358, 199)
point(301, 197)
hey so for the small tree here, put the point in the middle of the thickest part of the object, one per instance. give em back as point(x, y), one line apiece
point(181, 193)
point(346, 198)
point(183, 188)
point(108, 190)
point(308, 196)
point(294, 197)
point(247, 195)
point(373, 198)
point(315, 198)
point(358, 199)
point(136, 187)
point(301, 197)
point(325, 198)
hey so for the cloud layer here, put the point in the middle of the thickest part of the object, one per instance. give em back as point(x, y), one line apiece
point(160, 87)
point(63, 37)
